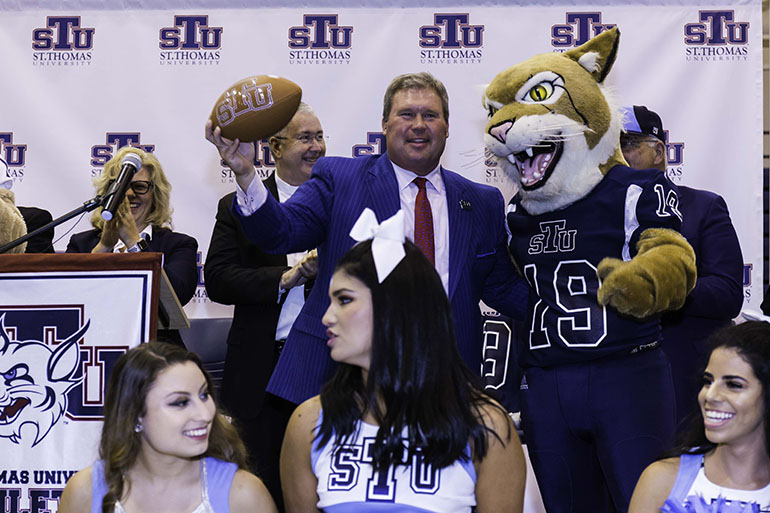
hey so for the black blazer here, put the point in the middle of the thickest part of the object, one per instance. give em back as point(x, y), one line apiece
point(34, 218)
point(238, 273)
point(180, 253)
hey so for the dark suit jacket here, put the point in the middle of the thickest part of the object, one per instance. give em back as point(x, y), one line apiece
point(320, 215)
point(238, 273)
point(34, 218)
point(180, 253)
point(716, 299)
point(718, 294)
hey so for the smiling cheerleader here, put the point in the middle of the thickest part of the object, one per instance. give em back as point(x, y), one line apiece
point(723, 462)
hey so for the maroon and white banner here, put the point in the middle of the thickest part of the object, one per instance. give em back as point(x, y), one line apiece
point(60, 335)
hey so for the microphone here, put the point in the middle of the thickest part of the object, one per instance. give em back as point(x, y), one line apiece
point(130, 164)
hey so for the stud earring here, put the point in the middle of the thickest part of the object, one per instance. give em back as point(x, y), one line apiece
point(138, 428)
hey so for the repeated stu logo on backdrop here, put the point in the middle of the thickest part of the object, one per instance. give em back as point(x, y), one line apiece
point(578, 28)
point(451, 39)
point(190, 42)
point(716, 36)
point(63, 41)
point(101, 153)
point(13, 157)
point(674, 159)
point(321, 39)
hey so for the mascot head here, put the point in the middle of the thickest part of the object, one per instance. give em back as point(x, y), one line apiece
point(12, 224)
point(552, 124)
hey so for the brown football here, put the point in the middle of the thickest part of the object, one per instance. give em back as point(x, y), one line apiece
point(256, 107)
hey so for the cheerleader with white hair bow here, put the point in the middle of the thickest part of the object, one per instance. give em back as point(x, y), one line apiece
point(403, 425)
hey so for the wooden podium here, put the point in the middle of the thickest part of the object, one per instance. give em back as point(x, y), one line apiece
point(65, 319)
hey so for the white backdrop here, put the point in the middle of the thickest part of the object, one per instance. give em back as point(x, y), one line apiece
point(79, 82)
point(110, 81)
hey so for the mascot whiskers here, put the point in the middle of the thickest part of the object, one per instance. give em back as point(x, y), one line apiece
point(598, 244)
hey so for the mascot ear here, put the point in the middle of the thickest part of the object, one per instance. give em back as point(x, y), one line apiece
point(598, 54)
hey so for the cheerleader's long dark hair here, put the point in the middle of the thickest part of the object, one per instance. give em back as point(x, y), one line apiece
point(417, 381)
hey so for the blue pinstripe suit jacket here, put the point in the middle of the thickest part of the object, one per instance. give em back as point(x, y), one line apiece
point(320, 215)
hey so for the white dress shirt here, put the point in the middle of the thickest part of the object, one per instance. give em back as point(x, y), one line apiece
point(295, 299)
point(407, 192)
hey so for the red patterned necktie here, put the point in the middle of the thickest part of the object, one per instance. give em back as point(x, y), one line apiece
point(423, 221)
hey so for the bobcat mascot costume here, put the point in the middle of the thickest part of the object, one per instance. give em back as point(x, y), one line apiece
point(12, 224)
point(597, 243)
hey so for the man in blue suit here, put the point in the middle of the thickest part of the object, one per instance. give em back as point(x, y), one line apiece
point(718, 294)
point(467, 230)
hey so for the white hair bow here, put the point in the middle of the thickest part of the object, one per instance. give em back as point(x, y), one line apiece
point(387, 240)
point(6, 183)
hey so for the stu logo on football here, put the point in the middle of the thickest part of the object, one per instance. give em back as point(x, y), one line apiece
point(12, 157)
point(717, 36)
point(451, 39)
point(62, 42)
point(578, 29)
point(101, 153)
point(190, 42)
point(320, 40)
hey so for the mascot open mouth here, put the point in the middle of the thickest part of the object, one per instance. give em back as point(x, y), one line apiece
point(536, 163)
point(9, 412)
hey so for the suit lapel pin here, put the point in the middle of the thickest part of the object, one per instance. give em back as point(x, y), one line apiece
point(465, 205)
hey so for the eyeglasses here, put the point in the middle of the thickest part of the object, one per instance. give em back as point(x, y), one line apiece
point(628, 142)
point(305, 138)
point(140, 187)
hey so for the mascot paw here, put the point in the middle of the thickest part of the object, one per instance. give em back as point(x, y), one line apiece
point(625, 288)
point(658, 278)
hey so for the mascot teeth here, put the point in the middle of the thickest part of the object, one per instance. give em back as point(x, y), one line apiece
point(536, 163)
point(9, 412)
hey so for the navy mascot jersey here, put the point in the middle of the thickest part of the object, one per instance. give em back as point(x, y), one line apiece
point(558, 253)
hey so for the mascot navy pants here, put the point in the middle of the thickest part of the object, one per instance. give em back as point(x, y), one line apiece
point(591, 428)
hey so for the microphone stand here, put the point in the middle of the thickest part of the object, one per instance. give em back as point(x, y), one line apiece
point(88, 206)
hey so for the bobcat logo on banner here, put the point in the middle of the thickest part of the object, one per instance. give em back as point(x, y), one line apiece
point(62, 42)
point(36, 380)
point(320, 40)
